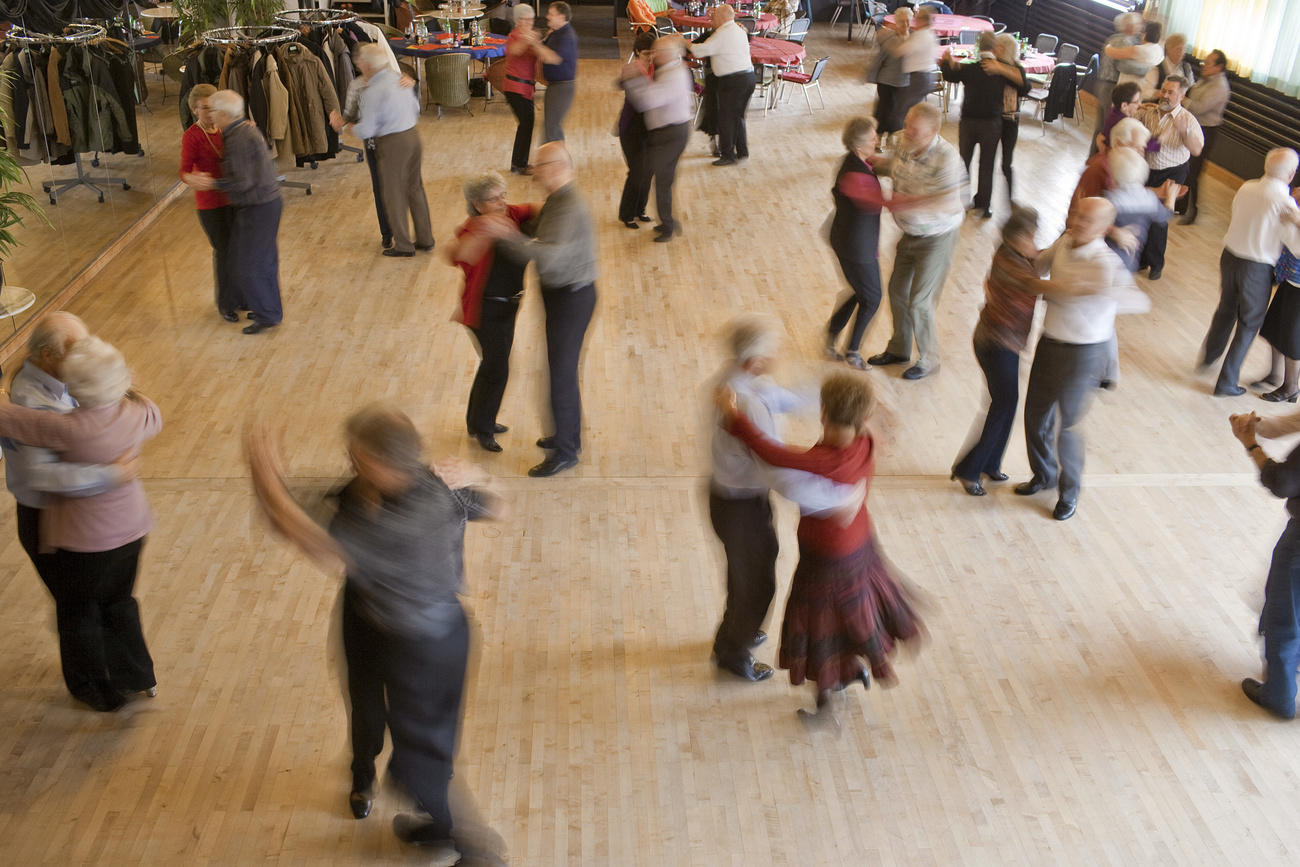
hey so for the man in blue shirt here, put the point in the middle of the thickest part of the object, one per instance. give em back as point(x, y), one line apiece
point(388, 114)
point(559, 54)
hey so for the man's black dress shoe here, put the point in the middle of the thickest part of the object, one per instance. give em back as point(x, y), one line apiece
point(551, 466)
point(748, 668)
point(1254, 691)
point(884, 358)
point(418, 831)
point(1229, 391)
point(230, 315)
point(1154, 273)
point(1064, 510)
point(664, 236)
point(645, 218)
point(1031, 487)
point(999, 476)
point(547, 443)
point(758, 639)
point(425, 248)
point(257, 327)
point(916, 371)
point(724, 161)
point(497, 428)
point(1280, 395)
point(487, 442)
point(361, 802)
point(399, 254)
point(386, 241)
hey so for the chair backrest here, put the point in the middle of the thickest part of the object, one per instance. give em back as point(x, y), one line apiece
point(967, 37)
point(750, 24)
point(446, 76)
point(1067, 53)
point(939, 8)
point(1046, 43)
point(999, 28)
point(983, 18)
point(818, 66)
point(799, 30)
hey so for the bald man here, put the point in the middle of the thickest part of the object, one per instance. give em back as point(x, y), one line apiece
point(1073, 351)
point(34, 475)
point(728, 51)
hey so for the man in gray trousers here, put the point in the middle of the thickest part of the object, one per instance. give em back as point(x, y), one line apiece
point(1079, 323)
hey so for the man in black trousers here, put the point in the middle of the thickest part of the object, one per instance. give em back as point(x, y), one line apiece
point(740, 503)
point(563, 247)
point(665, 103)
point(728, 50)
point(252, 187)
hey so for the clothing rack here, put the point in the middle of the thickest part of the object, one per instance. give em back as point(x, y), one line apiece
point(73, 34)
point(245, 37)
point(320, 19)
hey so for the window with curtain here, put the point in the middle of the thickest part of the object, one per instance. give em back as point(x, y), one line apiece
point(1260, 37)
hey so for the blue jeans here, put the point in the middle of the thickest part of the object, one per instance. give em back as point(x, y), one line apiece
point(1280, 622)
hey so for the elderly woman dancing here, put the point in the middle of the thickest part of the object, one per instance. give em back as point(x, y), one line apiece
point(97, 539)
point(489, 302)
point(399, 531)
point(844, 603)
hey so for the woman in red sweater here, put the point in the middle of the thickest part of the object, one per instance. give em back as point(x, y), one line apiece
point(844, 604)
point(201, 152)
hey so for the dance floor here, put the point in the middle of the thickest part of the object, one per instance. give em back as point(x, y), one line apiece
point(1077, 701)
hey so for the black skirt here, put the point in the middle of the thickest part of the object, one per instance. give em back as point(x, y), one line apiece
point(1281, 326)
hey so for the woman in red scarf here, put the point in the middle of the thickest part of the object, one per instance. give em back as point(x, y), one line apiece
point(489, 302)
point(844, 604)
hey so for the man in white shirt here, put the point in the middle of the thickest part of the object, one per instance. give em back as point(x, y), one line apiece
point(1072, 354)
point(1264, 219)
point(666, 104)
point(728, 50)
point(928, 204)
point(740, 506)
point(1180, 139)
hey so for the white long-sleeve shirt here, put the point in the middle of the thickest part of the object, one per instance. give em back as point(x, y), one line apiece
point(728, 47)
point(1257, 231)
point(737, 473)
point(1094, 267)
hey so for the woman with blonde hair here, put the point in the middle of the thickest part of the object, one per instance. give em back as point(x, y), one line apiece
point(97, 540)
point(202, 151)
point(845, 604)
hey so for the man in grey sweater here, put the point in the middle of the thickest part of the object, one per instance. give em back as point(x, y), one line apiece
point(563, 247)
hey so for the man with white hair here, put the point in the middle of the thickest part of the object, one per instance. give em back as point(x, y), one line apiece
point(1128, 25)
point(740, 505)
point(733, 71)
point(1265, 218)
point(388, 114)
point(252, 187)
point(35, 475)
point(928, 206)
point(351, 113)
point(1073, 352)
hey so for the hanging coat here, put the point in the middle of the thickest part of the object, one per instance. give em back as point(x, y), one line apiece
point(311, 99)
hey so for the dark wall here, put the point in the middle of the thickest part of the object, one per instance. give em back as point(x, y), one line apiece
point(1257, 118)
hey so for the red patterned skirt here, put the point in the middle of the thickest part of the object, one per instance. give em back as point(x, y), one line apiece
point(841, 611)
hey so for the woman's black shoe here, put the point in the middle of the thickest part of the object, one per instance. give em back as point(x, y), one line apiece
point(631, 224)
point(644, 218)
point(230, 315)
point(975, 489)
point(996, 477)
point(1280, 395)
point(361, 802)
point(487, 442)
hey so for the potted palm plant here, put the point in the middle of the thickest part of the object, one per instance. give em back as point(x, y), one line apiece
point(195, 16)
point(13, 202)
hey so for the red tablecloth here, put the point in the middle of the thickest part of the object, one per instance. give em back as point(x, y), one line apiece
point(775, 52)
point(766, 20)
point(951, 25)
point(1033, 61)
point(493, 46)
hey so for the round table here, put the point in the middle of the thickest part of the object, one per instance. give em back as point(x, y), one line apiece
point(775, 52)
point(1033, 61)
point(441, 43)
point(165, 13)
point(766, 20)
point(950, 25)
point(14, 300)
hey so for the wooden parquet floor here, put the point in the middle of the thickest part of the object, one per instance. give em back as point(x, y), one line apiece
point(1077, 702)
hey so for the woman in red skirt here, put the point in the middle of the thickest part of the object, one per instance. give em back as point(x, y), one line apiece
point(844, 604)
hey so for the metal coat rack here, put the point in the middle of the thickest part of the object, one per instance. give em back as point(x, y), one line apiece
point(320, 19)
point(73, 34)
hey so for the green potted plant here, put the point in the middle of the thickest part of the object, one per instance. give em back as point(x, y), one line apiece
point(13, 202)
point(196, 16)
